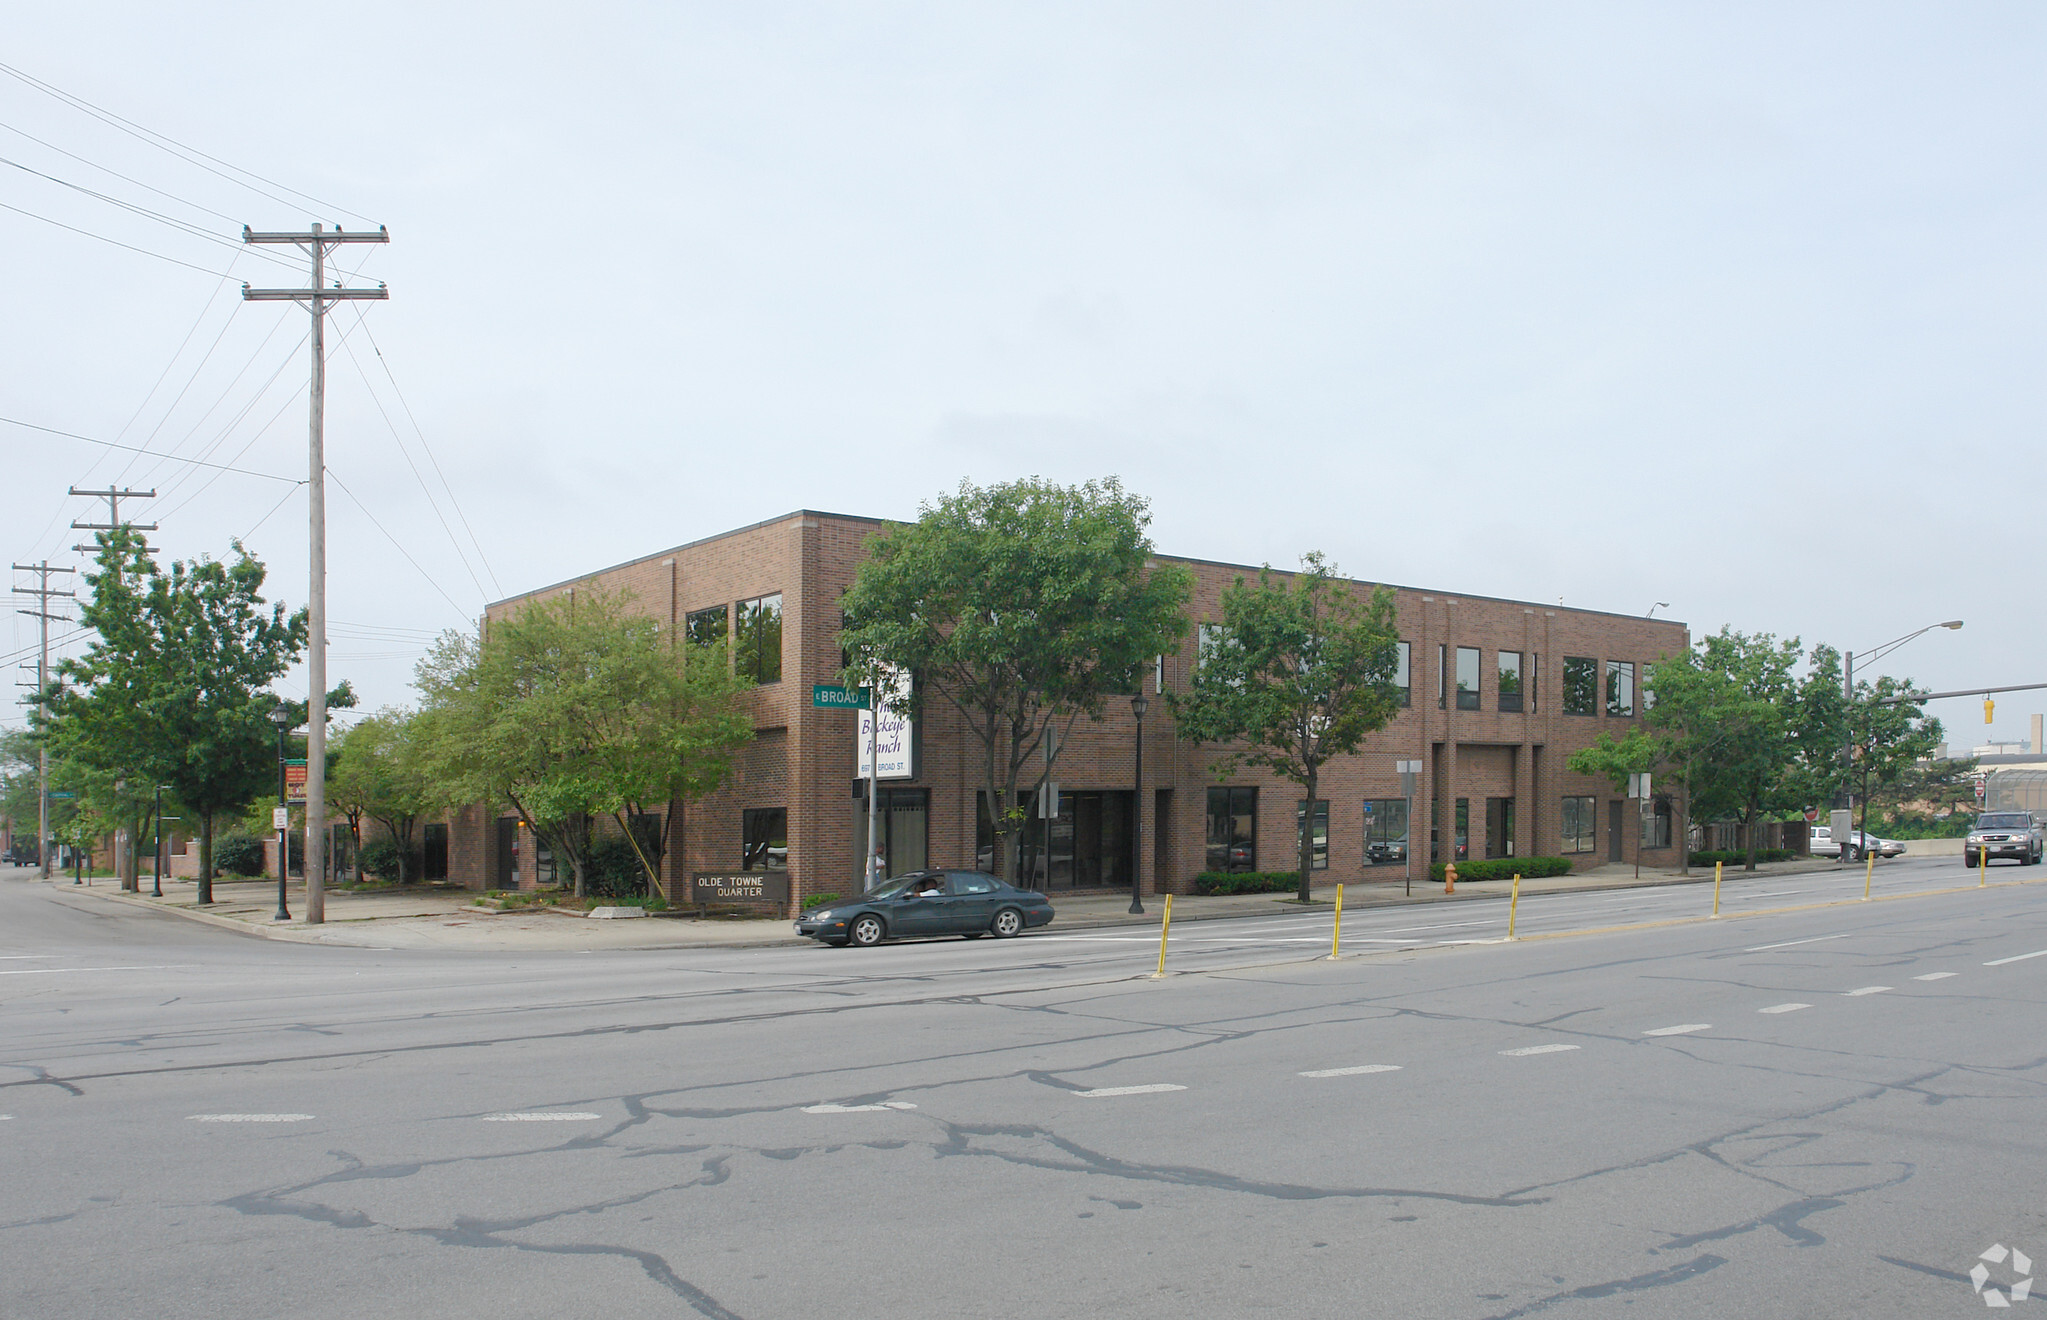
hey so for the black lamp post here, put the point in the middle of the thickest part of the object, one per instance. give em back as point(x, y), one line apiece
point(281, 717)
point(1138, 705)
point(156, 878)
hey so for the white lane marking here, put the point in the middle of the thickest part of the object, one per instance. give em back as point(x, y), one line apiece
point(1253, 939)
point(1103, 1091)
point(1683, 1029)
point(1783, 1008)
point(18, 957)
point(5, 1117)
point(1868, 990)
point(1934, 976)
point(49, 971)
point(543, 1116)
point(1817, 939)
point(1358, 1071)
point(1774, 893)
point(249, 1118)
point(1537, 1049)
point(1444, 925)
point(883, 1107)
point(2018, 957)
point(1101, 939)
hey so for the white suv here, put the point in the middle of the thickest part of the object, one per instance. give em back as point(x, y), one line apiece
point(2013, 834)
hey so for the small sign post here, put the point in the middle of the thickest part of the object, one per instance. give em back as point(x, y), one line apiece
point(1408, 770)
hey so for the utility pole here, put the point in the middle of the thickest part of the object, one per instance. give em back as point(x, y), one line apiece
point(43, 593)
point(316, 298)
point(113, 497)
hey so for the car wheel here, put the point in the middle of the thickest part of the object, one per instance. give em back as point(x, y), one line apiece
point(1008, 922)
point(866, 930)
point(1969, 860)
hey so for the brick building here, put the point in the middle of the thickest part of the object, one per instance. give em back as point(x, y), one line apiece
point(1500, 694)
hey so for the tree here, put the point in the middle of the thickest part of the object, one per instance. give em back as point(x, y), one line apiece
point(378, 773)
point(574, 708)
point(1885, 739)
point(175, 684)
point(1022, 606)
point(1298, 673)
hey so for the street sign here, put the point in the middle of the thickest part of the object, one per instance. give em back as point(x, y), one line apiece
point(831, 696)
point(295, 781)
point(280, 818)
point(66, 797)
point(1811, 814)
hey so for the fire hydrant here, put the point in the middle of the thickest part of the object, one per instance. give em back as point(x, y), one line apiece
point(1450, 877)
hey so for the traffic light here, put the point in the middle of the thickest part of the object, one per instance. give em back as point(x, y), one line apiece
point(1989, 709)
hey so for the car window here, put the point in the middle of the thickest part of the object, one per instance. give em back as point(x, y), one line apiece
point(894, 888)
point(972, 882)
point(2005, 821)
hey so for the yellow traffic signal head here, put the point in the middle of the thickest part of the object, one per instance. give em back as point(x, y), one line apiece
point(1989, 709)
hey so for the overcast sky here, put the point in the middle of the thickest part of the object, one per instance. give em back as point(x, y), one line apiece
point(1733, 306)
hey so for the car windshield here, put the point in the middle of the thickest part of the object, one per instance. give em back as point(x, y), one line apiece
point(2010, 820)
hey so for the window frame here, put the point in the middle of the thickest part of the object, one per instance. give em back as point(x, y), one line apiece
point(1318, 856)
point(1403, 673)
point(1510, 701)
point(1581, 689)
point(1468, 695)
point(764, 818)
point(1619, 697)
point(692, 621)
point(749, 649)
point(1586, 808)
point(1231, 800)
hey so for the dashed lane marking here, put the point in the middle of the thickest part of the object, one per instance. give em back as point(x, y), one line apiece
point(250, 1118)
point(1358, 1071)
point(1817, 939)
point(1934, 976)
point(1537, 1049)
point(1868, 990)
point(543, 1116)
point(1783, 1008)
point(2017, 957)
point(1682, 1029)
point(1103, 1092)
point(858, 1109)
point(55, 971)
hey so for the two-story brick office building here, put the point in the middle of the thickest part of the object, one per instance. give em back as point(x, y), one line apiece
point(1500, 693)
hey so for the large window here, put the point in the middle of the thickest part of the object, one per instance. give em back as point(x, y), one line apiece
point(1620, 687)
point(1319, 854)
point(902, 833)
point(1088, 845)
point(1656, 826)
point(1207, 637)
point(1467, 678)
point(1232, 829)
point(1581, 685)
point(766, 831)
point(1499, 827)
point(1581, 823)
point(758, 651)
point(1402, 678)
point(704, 627)
point(1510, 680)
point(1385, 831)
point(1463, 844)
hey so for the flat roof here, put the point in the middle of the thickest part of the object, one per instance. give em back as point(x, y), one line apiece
point(1184, 559)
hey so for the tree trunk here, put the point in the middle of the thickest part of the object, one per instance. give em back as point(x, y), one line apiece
point(1748, 827)
point(205, 857)
point(1307, 833)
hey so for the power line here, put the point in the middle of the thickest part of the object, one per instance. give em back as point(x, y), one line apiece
point(153, 453)
point(186, 201)
point(172, 146)
point(395, 544)
point(104, 239)
point(181, 226)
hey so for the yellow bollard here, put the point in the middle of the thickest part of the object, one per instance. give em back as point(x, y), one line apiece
point(1336, 936)
point(1164, 926)
point(1868, 869)
point(1450, 877)
point(1982, 868)
point(1716, 888)
point(1513, 902)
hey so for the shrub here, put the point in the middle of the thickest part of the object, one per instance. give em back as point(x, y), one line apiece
point(1246, 882)
point(614, 869)
point(238, 854)
point(819, 900)
point(1506, 868)
point(380, 859)
point(1739, 857)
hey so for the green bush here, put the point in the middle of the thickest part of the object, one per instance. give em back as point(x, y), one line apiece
point(238, 854)
point(819, 900)
point(1246, 882)
point(1738, 857)
point(380, 859)
point(615, 871)
point(1506, 868)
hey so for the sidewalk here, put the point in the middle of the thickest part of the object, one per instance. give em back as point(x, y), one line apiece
point(448, 918)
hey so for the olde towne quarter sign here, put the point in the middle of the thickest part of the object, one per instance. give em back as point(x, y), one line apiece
point(739, 887)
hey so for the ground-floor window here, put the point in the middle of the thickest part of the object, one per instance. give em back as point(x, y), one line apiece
point(1088, 845)
point(1232, 829)
point(435, 860)
point(1581, 824)
point(1656, 825)
point(1436, 829)
point(1319, 858)
point(1499, 827)
point(902, 830)
point(1385, 831)
point(766, 831)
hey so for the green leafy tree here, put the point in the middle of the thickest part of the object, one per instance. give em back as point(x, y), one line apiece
point(572, 709)
point(19, 784)
point(1872, 746)
point(1300, 671)
point(378, 772)
point(174, 687)
point(1022, 606)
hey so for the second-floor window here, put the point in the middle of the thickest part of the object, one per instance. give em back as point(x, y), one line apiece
point(1620, 687)
point(704, 627)
point(1581, 685)
point(1401, 678)
point(1510, 680)
point(1467, 678)
point(757, 649)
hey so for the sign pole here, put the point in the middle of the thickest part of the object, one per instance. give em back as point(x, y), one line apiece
point(873, 778)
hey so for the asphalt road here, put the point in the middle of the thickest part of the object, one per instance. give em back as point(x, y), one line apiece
point(1830, 1111)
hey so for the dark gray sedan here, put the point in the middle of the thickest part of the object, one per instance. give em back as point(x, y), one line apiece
point(968, 903)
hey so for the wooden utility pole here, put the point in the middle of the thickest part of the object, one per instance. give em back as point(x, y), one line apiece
point(41, 614)
point(316, 298)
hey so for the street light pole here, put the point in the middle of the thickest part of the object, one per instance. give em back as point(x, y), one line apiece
point(281, 717)
point(1138, 705)
point(1874, 653)
point(156, 873)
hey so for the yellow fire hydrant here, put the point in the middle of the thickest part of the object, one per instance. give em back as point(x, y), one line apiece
point(1450, 877)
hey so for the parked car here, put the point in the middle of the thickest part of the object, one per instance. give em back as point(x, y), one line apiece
point(966, 903)
point(1820, 842)
point(2013, 834)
